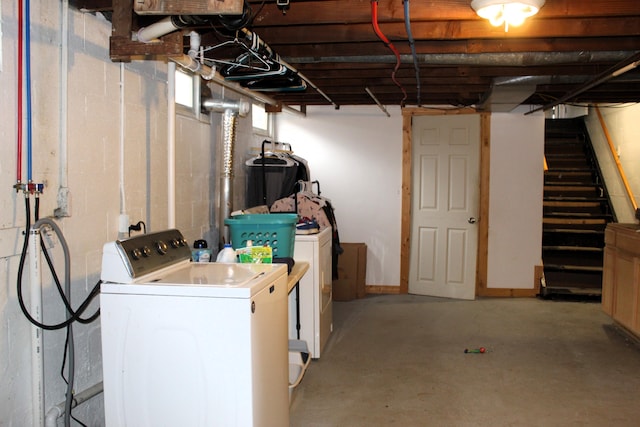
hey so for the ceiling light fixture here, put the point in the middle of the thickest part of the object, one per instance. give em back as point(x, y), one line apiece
point(506, 12)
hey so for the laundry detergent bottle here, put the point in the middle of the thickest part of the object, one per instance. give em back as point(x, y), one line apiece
point(200, 253)
point(227, 254)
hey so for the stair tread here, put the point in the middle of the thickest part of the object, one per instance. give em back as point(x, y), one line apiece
point(568, 267)
point(574, 198)
point(576, 183)
point(581, 221)
point(565, 186)
point(570, 203)
point(578, 215)
point(584, 169)
point(573, 249)
point(573, 231)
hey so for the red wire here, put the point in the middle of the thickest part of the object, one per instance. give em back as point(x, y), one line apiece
point(19, 93)
point(376, 28)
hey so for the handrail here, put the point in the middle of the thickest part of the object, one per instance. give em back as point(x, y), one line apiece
point(616, 158)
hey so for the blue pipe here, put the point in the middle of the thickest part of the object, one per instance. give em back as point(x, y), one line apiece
point(407, 24)
point(27, 38)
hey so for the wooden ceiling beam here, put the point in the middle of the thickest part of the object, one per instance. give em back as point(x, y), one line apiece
point(189, 7)
point(359, 11)
point(452, 30)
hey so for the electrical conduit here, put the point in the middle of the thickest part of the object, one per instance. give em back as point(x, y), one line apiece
point(123, 220)
point(171, 144)
point(63, 208)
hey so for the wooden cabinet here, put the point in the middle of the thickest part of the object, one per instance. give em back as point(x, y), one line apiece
point(621, 275)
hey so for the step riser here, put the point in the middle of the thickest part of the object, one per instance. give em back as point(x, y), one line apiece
point(571, 279)
point(596, 212)
point(573, 241)
point(571, 259)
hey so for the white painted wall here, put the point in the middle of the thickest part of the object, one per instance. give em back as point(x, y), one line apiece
point(93, 147)
point(356, 155)
point(623, 124)
point(515, 209)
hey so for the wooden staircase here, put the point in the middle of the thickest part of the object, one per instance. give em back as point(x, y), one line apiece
point(576, 212)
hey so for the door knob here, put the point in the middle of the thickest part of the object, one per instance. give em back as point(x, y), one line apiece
point(472, 220)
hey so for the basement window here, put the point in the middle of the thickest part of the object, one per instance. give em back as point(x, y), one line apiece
point(189, 90)
point(261, 120)
point(185, 89)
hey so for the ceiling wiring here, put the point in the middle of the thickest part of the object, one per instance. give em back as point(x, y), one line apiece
point(412, 45)
point(376, 28)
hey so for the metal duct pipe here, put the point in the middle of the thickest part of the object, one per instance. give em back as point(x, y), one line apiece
point(219, 106)
point(496, 59)
point(229, 122)
point(231, 110)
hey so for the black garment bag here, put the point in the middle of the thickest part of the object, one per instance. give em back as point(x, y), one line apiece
point(273, 175)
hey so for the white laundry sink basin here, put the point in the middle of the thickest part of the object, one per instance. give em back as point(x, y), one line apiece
point(204, 279)
point(222, 274)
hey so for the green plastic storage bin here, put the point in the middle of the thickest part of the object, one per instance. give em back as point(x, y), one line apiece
point(276, 230)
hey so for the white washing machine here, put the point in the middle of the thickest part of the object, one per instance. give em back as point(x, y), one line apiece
point(191, 344)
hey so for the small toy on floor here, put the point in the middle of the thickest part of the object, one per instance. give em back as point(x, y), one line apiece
point(475, 350)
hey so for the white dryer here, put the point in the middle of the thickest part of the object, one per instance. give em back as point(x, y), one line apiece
point(315, 292)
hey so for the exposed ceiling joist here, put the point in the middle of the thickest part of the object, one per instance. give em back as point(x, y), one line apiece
point(460, 55)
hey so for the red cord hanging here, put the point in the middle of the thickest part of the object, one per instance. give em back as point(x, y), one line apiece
point(376, 28)
point(19, 96)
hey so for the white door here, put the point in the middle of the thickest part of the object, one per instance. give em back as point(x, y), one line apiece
point(445, 193)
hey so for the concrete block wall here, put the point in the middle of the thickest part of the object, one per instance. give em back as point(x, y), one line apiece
point(77, 144)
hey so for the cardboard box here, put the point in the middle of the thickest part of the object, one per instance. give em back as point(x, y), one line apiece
point(352, 271)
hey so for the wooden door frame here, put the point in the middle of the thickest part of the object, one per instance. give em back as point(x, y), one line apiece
point(483, 204)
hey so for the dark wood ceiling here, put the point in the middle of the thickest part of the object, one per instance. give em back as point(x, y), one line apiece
point(567, 52)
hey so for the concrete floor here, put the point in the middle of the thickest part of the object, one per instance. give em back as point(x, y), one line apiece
point(398, 360)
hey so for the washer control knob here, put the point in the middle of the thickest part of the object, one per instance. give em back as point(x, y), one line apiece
point(146, 251)
point(174, 243)
point(161, 247)
point(136, 253)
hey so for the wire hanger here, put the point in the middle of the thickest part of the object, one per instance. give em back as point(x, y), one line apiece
point(244, 59)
